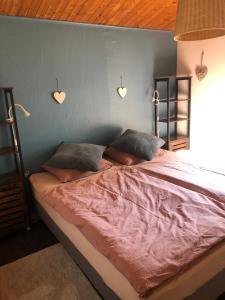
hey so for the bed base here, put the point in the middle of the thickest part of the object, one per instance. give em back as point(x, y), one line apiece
point(102, 289)
point(209, 291)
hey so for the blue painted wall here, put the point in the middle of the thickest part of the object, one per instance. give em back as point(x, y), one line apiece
point(88, 60)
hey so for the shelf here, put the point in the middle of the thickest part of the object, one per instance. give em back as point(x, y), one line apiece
point(177, 143)
point(7, 151)
point(174, 119)
point(5, 88)
point(166, 78)
point(14, 215)
point(175, 137)
point(176, 107)
point(171, 100)
point(9, 179)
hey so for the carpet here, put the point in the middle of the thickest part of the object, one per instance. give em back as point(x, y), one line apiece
point(47, 274)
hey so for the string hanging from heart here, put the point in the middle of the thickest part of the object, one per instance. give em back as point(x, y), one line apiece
point(121, 81)
point(57, 84)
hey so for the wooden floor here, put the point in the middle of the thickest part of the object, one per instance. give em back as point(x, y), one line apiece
point(25, 242)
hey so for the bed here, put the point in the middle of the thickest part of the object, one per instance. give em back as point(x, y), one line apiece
point(202, 277)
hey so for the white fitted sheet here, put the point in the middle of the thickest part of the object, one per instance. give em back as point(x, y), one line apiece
point(179, 287)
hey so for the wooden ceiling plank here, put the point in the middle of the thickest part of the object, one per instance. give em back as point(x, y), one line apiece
point(150, 16)
point(165, 24)
point(73, 13)
point(159, 18)
point(12, 7)
point(8, 7)
point(132, 18)
point(115, 8)
point(3, 8)
point(140, 11)
point(100, 18)
point(99, 9)
point(66, 9)
point(40, 13)
point(108, 12)
point(87, 11)
point(23, 7)
point(125, 9)
point(170, 25)
point(153, 21)
point(34, 8)
point(60, 10)
point(158, 14)
point(51, 8)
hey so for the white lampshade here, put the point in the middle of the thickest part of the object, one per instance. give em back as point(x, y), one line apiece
point(200, 20)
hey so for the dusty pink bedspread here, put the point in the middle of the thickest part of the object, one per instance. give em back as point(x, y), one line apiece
point(149, 220)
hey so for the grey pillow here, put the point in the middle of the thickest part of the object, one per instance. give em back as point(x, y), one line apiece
point(83, 157)
point(141, 144)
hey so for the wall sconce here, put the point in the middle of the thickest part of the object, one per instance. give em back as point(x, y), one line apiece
point(11, 120)
point(26, 113)
point(200, 20)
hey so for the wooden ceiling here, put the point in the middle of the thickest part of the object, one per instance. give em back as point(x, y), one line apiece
point(151, 14)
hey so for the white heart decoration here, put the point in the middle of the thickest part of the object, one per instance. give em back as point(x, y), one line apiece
point(59, 96)
point(122, 91)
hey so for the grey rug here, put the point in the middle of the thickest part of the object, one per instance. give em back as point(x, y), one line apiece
point(46, 274)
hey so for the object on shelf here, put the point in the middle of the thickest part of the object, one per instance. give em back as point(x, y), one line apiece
point(156, 101)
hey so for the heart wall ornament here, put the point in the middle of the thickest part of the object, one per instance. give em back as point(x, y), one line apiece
point(59, 96)
point(202, 70)
point(122, 90)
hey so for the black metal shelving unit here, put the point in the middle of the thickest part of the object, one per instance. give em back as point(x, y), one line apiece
point(13, 201)
point(175, 138)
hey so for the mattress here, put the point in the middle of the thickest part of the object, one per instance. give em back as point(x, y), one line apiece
point(177, 288)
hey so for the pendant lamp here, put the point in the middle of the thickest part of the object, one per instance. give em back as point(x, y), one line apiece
point(200, 20)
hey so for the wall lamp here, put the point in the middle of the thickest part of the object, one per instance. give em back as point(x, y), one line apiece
point(11, 120)
point(27, 114)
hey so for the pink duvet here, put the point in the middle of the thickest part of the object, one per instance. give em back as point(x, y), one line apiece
point(150, 220)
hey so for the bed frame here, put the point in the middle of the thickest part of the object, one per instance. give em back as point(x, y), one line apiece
point(102, 289)
point(209, 291)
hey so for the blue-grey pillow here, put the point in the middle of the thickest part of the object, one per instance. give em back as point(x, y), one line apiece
point(83, 157)
point(140, 144)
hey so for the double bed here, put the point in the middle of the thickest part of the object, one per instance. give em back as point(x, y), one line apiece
point(175, 200)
